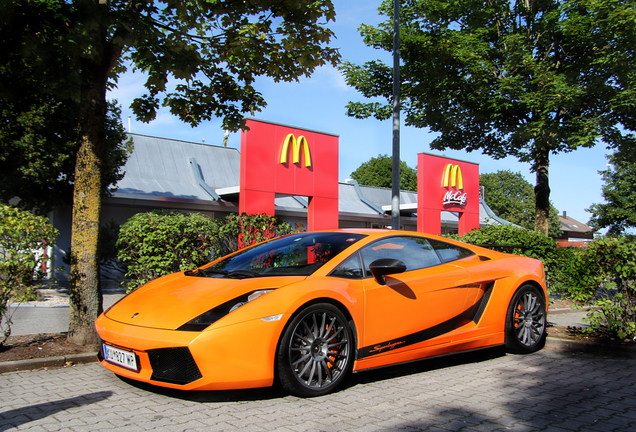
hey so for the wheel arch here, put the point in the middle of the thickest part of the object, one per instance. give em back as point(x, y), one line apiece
point(542, 290)
point(345, 311)
point(531, 282)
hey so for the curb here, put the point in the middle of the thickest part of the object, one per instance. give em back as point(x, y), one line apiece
point(567, 310)
point(44, 362)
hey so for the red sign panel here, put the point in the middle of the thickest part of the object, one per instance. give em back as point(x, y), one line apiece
point(447, 184)
point(278, 159)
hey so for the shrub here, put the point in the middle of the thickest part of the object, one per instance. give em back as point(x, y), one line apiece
point(615, 260)
point(162, 242)
point(24, 238)
point(520, 241)
point(574, 276)
point(239, 231)
point(579, 273)
point(512, 239)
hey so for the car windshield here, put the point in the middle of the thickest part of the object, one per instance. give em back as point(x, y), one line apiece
point(294, 255)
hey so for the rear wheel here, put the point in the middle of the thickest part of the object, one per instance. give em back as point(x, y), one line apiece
point(315, 352)
point(526, 321)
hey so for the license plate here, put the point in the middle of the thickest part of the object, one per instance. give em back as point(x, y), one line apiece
point(120, 357)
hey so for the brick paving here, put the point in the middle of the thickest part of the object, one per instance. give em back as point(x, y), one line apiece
point(550, 390)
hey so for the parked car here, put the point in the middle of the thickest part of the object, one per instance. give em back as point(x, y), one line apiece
point(307, 309)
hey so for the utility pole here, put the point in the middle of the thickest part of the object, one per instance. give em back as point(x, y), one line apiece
point(395, 175)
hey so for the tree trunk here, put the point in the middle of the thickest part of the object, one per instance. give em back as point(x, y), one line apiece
point(86, 296)
point(542, 191)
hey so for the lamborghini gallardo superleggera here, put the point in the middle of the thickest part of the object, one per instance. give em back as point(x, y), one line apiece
point(306, 309)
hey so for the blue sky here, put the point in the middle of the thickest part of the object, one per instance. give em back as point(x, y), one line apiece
point(317, 103)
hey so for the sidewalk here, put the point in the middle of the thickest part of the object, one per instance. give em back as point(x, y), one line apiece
point(567, 317)
point(49, 315)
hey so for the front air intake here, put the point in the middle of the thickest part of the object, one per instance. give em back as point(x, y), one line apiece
point(173, 365)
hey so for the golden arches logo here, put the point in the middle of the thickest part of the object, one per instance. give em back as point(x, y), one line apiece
point(296, 144)
point(453, 177)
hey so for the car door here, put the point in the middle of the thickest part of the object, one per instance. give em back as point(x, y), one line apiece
point(417, 308)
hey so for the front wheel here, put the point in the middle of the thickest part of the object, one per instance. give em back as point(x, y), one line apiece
point(315, 352)
point(526, 321)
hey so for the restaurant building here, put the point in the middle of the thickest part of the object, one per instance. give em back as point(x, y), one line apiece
point(288, 172)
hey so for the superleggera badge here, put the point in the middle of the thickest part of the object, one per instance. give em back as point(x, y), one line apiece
point(389, 346)
point(134, 315)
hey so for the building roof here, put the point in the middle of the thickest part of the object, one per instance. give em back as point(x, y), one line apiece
point(170, 169)
point(570, 225)
point(163, 169)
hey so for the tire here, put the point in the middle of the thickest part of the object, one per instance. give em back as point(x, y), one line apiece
point(315, 352)
point(526, 321)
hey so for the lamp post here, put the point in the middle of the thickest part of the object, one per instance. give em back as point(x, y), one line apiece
point(395, 174)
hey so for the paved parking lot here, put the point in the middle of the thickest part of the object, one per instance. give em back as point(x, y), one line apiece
point(550, 390)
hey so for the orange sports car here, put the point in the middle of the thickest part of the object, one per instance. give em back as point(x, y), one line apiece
point(308, 308)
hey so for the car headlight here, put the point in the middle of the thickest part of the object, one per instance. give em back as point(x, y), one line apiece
point(208, 318)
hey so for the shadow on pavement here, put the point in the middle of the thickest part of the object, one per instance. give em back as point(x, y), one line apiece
point(17, 417)
point(209, 396)
point(423, 365)
point(352, 380)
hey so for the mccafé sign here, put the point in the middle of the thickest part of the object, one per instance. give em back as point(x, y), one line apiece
point(453, 180)
point(443, 188)
point(296, 144)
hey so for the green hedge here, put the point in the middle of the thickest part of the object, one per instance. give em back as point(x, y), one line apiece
point(520, 241)
point(602, 274)
point(162, 242)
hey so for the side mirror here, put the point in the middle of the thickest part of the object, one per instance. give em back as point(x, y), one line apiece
point(386, 266)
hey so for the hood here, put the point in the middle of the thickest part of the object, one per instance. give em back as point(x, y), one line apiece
point(171, 301)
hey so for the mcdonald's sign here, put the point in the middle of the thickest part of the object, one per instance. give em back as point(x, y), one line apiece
point(296, 145)
point(453, 177)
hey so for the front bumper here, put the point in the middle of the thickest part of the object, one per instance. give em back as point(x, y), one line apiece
point(231, 357)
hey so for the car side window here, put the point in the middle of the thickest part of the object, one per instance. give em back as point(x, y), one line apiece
point(414, 252)
point(351, 268)
point(449, 252)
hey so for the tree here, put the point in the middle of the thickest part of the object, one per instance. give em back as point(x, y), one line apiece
point(618, 213)
point(38, 127)
point(377, 172)
point(511, 197)
point(210, 52)
point(510, 78)
point(38, 144)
